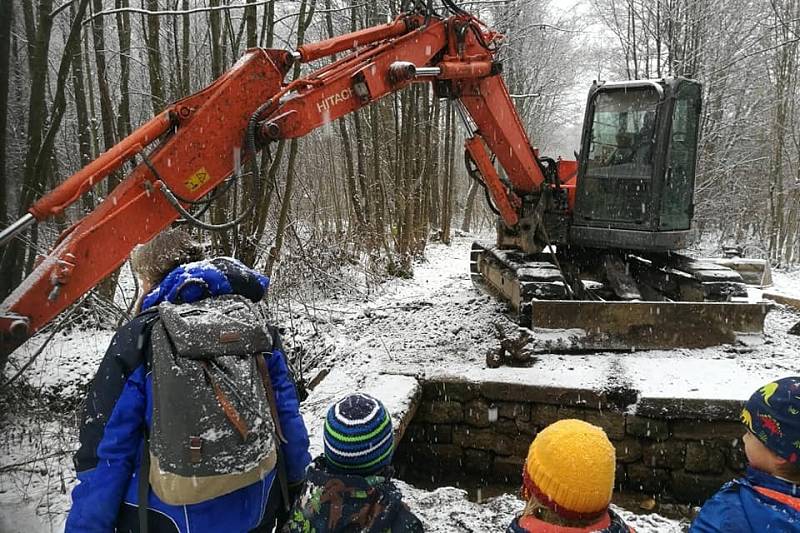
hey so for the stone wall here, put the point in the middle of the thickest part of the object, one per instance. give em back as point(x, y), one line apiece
point(675, 449)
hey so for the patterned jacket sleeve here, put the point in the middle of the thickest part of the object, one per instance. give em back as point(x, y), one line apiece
point(288, 406)
point(110, 433)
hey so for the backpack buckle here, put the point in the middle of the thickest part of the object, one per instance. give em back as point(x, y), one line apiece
point(195, 449)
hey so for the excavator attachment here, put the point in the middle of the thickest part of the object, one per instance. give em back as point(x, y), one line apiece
point(538, 293)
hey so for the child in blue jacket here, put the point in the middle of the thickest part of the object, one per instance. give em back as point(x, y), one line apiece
point(119, 404)
point(767, 498)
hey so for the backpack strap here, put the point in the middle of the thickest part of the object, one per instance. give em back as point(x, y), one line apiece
point(144, 482)
point(143, 489)
point(261, 364)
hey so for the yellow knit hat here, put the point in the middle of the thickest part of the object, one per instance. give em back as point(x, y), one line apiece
point(570, 468)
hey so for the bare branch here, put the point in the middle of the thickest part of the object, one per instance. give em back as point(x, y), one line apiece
point(757, 52)
point(61, 8)
point(173, 12)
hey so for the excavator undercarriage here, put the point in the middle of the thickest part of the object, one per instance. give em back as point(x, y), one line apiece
point(606, 300)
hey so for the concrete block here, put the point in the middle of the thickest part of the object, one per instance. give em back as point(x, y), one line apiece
point(703, 457)
point(613, 423)
point(692, 488)
point(477, 461)
point(440, 412)
point(646, 479)
point(628, 450)
point(542, 415)
point(484, 439)
point(706, 430)
point(527, 430)
point(515, 411)
point(507, 427)
point(450, 390)
point(664, 455)
point(476, 413)
point(508, 469)
point(735, 456)
point(650, 428)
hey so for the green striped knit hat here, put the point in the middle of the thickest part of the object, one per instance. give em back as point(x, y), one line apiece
point(358, 436)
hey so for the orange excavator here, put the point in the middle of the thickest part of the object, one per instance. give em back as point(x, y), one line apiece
point(587, 244)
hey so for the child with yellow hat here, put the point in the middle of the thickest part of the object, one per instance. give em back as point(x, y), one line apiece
point(567, 482)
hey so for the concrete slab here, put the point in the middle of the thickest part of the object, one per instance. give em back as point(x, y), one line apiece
point(400, 395)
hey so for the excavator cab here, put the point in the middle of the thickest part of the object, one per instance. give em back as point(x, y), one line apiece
point(637, 165)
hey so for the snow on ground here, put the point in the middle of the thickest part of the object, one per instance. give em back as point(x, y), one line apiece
point(434, 324)
point(438, 323)
point(447, 509)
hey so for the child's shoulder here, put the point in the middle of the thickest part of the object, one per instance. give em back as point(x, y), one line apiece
point(755, 498)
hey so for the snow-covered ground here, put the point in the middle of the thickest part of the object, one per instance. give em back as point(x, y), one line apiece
point(434, 324)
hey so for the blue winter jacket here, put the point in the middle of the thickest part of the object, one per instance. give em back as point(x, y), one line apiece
point(740, 507)
point(107, 462)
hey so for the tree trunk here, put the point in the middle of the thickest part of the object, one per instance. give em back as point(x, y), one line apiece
point(220, 240)
point(217, 57)
point(41, 130)
point(81, 111)
point(186, 88)
point(251, 19)
point(473, 189)
point(108, 286)
point(38, 37)
point(303, 22)
point(106, 109)
point(447, 185)
point(82, 117)
point(6, 17)
point(268, 26)
point(124, 36)
point(434, 208)
point(153, 43)
point(350, 179)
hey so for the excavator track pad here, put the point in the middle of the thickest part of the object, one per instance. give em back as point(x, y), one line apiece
point(535, 289)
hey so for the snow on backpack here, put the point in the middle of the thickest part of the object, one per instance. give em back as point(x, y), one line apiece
point(214, 419)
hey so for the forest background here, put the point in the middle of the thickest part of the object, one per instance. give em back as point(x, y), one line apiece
point(374, 187)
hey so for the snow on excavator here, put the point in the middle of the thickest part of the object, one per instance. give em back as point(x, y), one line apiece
point(586, 244)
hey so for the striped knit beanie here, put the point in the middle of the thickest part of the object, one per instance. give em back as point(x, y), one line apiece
point(358, 436)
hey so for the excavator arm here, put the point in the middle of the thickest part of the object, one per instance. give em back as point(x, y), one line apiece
point(199, 143)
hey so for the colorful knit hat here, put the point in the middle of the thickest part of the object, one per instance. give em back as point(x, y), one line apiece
point(772, 414)
point(570, 469)
point(358, 436)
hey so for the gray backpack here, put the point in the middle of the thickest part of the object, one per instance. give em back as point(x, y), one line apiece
point(214, 419)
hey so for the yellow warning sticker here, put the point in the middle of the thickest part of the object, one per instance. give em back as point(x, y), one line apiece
point(196, 180)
